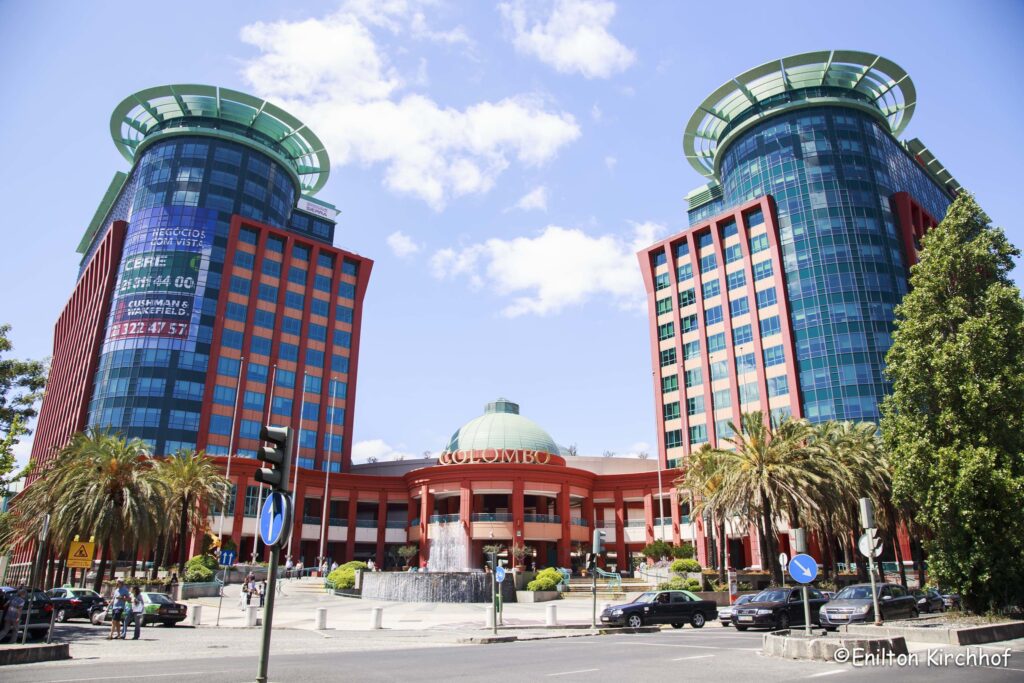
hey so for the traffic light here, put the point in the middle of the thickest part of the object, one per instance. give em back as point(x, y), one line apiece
point(597, 544)
point(278, 455)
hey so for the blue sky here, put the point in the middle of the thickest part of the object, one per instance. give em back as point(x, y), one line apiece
point(500, 162)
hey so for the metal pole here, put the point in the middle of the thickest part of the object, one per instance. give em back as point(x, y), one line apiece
point(327, 479)
point(259, 504)
point(661, 503)
point(295, 461)
point(807, 611)
point(494, 590)
point(231, 444)
point(268, 614)
point(593, 594)
point(871, 571)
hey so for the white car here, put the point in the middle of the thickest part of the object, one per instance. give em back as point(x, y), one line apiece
point(725, 613)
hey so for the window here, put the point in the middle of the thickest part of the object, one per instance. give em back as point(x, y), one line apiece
point(691, 349)
point(252, 400)
point(294, 300)
point(249, 429)
point(666, 331)
point(708, 263)
point(349, 267)
point(766, 297)
point(713, 315)
point(777, 386)
point(759, 243)
point(307, 438)
point(687, 297)
point(192, 391)
point(674, 438)
point(716, 342)
point(748, 393)
point(291, 325)
point(281, 406)
point(246, 236)
point(300, 252)
point(343, 313)
point(183, 419)
point(688, 323)
point(722, 399)
point(698, 434)
point(228, 366)
point(263, 318)
point(710, 289)
point(271, 267)
point(742, 335)
point(317, 332)
point(729, 230)
point(695, 405)
point(339, 363)
point(267, 293)
point(151, 386)
point(755, 217)
point(347, 290)
point(229, 509)
point(670, 383)
point(723, 429)
point(322, 283)
point(735, 279)
point(315, 358)
point(682, 249)
point(257, 372)
point(239, 285)
point(285, 378)
point(220, 424)
point(223, 395)
point(663, 306)
point(733, 252)
point(319, 307)
point(684, 272)
point(719, 370)
point(774, 355)
point(745, 363)
point(311, 411)
point(235, 311)
point(667, 357)
point(705, 240)
point(297, 275)
point(232, 339)
point(670, 411)
point(325, 260)
point(155, 357)
point(145, 417)
point(739, 306)
point(693, 377)
point(770, 326)
point(762, 270)
point(312, 384)
point(188, 360)
point(274, 244)
point(332, 444)
point(661, 281)
point(260, 345)
point(659, 258)
point(252, 501)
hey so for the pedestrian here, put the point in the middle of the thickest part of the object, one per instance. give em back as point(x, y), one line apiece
point(117, 609)
point(288, 567)
point(241, 593)
point(249, 588)
point(12, 614)
point(261, 590)
point(136, 612)
point(323, 567)
point(174, 586)
point(334, 565)
point(370, 566)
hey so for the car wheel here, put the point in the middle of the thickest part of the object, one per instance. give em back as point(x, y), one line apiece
point(170, 623)
point(914, 614)
point(697, 620)
point(782, 623)
point(726, 623)
point(677, 624)
point(62, 615)
point(634, 621)
point(741, 628)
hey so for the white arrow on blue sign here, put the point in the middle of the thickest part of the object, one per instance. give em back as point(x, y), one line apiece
point(803, 568)
point(228, 557)
point(275, 519)
point(499, 574)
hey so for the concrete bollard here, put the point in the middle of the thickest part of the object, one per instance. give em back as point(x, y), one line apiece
point(551, 616)
point(376, 616)
point(489, 623)
point(321, 618)
point(197, 615)
point(252, 616)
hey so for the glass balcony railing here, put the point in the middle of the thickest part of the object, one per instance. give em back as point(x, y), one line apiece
point(491, 517)
point(543, 519)
point(579, 521)
point(663, 521)
point(415, 522)
point(311, 519)
point(366, 523)
point(396, 524)
point(602, 524)
point(339, 521)
point(684, 519)
point(635, 522)
point(444, 519)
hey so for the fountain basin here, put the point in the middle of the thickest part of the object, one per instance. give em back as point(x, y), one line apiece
point(433, 587)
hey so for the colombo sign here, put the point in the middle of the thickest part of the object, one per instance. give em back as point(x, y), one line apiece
point(498, 456)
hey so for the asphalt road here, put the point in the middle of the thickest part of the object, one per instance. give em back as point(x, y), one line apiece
point(709, 654)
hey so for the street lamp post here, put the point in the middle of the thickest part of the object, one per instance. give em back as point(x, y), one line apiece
point(324, 528)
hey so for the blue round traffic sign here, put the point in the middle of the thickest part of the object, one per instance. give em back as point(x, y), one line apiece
point(803, 568)
point(275, 518)
point(499, 574)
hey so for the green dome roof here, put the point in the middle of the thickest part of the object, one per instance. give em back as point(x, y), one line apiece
point(502, 427)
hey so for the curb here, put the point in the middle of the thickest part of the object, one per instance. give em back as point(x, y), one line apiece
point(28, 654)
point(968, 635)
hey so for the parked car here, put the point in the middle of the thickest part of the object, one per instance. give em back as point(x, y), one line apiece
point(777, 608)
point(950, 600)
point(725, 613)
point(36, 612)
point(158, 609)
point(662, 607)
point(929, 600)
point(74, 603)
point(854, 604)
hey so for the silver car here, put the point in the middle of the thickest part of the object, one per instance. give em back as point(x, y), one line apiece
point(725, 613)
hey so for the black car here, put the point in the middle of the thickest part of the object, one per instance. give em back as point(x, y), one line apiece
point(36, 612)
point(777, 608)
point(74, 603)
point(853, 604)
point(950, 600)
point(929, 600)
point(662, 607)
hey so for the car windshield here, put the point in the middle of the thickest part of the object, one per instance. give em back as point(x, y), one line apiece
point(83, 593)
point(649, 596)
point(158, 599)
point(690, 595)
point(744, 599)
point(855, 593)
point(773, 596)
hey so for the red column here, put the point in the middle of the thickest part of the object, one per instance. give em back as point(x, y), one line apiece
point(755, 550)
point(426, 507)
point(588, 511)
point(350, 544)
point(674, 503)
point(465, 511)
point(702, 546)
point(565, 542)
point(517, 511)
point(620, 533)
point(382, 525)
point(649, 516)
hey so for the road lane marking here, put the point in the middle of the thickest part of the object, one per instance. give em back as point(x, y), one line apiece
point(686, 659)
point(827, 673)
point(701, 647)
point(134, 676)
point(577, 671)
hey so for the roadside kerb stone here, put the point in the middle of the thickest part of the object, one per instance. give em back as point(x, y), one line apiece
point(967, 635)
point(27, 654)
point(792, 645)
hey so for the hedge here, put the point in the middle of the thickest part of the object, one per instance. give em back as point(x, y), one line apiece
point(547, 580)
point(344, 576)
point(685, 565)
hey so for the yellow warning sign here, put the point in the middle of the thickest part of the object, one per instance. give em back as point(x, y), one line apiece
point(80, 555)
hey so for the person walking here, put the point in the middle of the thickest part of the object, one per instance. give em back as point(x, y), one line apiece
point(261, 590)
point(241, 593)
point(136, 612)
point(288, 568)
point(12, 614)
point(117, 610)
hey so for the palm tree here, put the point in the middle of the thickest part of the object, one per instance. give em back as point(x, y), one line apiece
point(703, 479)
point(193, 484)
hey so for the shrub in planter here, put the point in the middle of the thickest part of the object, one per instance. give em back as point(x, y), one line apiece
point(207, 561)
point(679, 583)
point(198, 573)
point(685, 566)
point(547, 580)
point(345, 576)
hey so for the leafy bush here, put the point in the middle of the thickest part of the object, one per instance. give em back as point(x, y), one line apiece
point(197, 573)
point(208, 561)
point(679, 583)
point(686, 565)
point(345, 576)
point(659, 549)
point(547, 580)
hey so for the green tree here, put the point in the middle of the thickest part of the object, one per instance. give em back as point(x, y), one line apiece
point(193, 483)
point(954, 424)
point(21, 387)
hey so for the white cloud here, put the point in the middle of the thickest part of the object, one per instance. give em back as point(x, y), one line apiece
point(560, 267)
point(610, 162)
point(402, 245)
point(332, 74)
point(537, 198)
point(379, 450)
point(596, 113)
point(574, 37)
